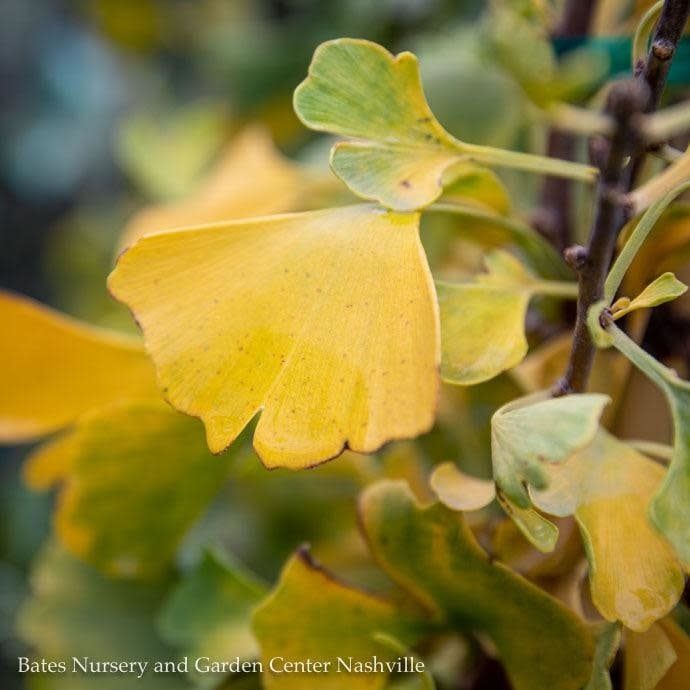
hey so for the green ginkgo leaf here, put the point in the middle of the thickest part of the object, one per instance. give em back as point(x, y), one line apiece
point(607, 486)
point(141, 455)
point(483, 322)
point(402, 156)
point(529, 432)
point(312, 615)
point(664, 289)
point(432, 554)
point(537, 529)
point(209, 612)
point(608, 642)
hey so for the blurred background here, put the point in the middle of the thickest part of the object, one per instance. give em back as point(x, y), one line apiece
point(107, 106)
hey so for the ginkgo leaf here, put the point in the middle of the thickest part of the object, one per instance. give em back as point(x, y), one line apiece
point(404, 157)
point(141, 455)
point(312, 615)
point(432, 554)
point(325, 320)
point(209, 612)
point(530, 432)
point(670, 507)
point(251, 178)
point(483, 322)
point(635, 576)
point(460, 491)
point(676, 678)
point(54, 368)
point(75, 611)
point(474, 184)
point(664, 289)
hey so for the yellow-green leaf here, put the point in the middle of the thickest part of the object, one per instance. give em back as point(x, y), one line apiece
point(325, 320)
point(483, 322)
point(209, 612)
point(312, 615)
point(431, 553)
point(608, 642)
point(635, 576)
point(54, 368)
point(135, 477)
point(402, 156)
point(358, 89)
point(530, 432)
point(251, 178)
point(460, 491)
point(664, 289)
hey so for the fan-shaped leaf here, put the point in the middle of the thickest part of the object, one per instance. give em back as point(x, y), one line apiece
point(530, 432)
point(635, 576)
point(326, 320)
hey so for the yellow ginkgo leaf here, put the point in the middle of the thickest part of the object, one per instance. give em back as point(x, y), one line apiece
point(54, 368)
point(483, 322)
point(325, 320)
point(460, 491)
point(402, 157)
point(648, 657)
point(251, 178)
point(635, 576)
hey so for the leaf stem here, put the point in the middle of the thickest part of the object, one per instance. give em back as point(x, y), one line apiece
point(529, 162)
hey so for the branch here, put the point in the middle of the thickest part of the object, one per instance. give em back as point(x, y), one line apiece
point(627, 101)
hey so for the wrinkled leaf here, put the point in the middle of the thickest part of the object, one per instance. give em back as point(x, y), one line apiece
point(530, 432)
point(635, 576)
point(325, 320)
point(311, 615)
point(431, 553)
point(460, 491)
point(54, 368)
point(135, 477)
point(209, 613)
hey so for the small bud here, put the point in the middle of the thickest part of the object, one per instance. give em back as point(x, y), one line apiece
point(575, 256)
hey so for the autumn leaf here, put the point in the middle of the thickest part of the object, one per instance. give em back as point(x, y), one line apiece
point(324, 320)
point(401, 156)
point(531, 432)
point(312, 615)
point(635, 576)
point(55, 368)
point(141, 455)
point(431, 553)
point(483, 322)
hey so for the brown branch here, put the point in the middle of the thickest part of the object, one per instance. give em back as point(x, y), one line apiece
point(626, 100)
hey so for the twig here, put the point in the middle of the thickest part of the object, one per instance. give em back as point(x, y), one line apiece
point(627, 100)
point(553, 219)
